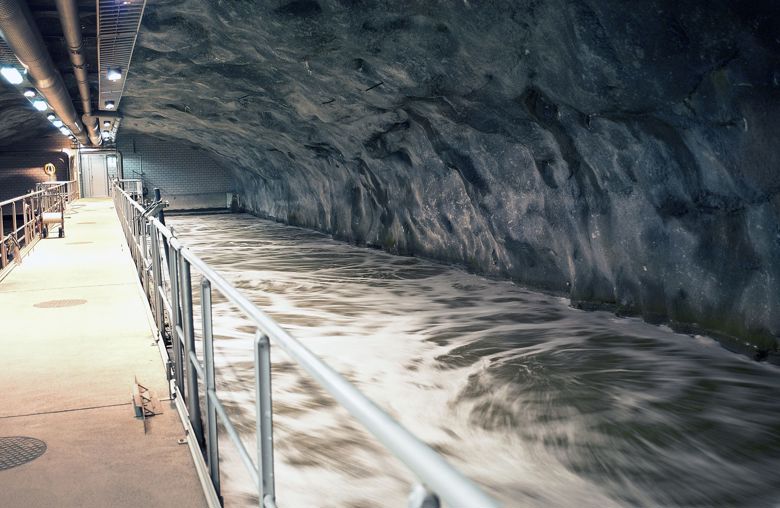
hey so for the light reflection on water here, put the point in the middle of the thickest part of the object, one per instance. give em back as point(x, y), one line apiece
point(542, 404)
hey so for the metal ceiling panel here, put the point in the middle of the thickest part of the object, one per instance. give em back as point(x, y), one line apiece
point(118, 24)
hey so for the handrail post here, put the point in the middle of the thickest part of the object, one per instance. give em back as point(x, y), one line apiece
point(157, 276)
point(144, 252)
point(421, 497)
point(193, 401)
point(13, 225)
point(139, 228)
point(212, 439)
point(25, 222)
point(264, 422)
point(3, 260)
point(175, 320)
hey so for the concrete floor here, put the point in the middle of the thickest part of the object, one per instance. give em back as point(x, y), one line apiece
point(66, 375)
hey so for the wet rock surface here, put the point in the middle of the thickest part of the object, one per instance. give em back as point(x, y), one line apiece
point(625, 157)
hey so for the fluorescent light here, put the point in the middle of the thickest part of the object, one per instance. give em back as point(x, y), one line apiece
point(51, 117)
point(65, 131)
point(30, 93)
point(40, 105)
point(110, 105)
point(114, 74)
point(12, 75)
point(57, 123)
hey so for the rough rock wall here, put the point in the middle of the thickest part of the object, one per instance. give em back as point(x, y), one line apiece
point(622, 153)
point(18, 120)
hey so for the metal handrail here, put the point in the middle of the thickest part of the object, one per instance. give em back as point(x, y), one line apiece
point(49, 196)
point(71, 188)
point(146, 237)
point(135, 182)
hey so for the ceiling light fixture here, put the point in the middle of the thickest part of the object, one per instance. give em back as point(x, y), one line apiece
point(29, 93)
point(12, 75)
point(51, 117)
point(110, 105)
point(65, 131)
point(106, 123)
point(40, 105)
point(57, 123)
point(114, 74)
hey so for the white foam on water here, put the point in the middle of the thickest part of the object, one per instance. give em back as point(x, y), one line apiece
point(541, 404)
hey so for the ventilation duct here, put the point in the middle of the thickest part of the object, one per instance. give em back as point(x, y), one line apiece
point(20, 32)
point(71, 28)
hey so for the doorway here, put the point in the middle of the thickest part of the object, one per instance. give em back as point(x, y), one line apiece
point(94, 175)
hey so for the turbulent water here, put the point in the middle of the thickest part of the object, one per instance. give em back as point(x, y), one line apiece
point(541, 404)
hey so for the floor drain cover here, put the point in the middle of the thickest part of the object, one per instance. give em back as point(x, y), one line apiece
point(18, 450)
point(51, 304)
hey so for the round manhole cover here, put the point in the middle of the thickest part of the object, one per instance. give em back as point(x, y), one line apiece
point(18, 450)
point(52, 304)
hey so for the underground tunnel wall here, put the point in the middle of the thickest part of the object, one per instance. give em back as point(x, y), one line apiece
point(624, 157)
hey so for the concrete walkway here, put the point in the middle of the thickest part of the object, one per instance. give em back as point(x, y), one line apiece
point(74, 332)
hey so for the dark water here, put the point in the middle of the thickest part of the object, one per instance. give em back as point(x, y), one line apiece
point(542, 404)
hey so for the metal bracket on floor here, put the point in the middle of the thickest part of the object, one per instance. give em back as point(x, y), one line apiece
point(145, 402)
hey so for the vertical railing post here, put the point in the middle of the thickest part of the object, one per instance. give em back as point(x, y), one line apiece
point(421, 497)
point(193, 401)
point(144, 253)
point(139, 260)
point(157, 276)
point(212, 440)
point(264, 422)
point(173, 271)
point(3, 259)
point(13, 225)
point(26, 225)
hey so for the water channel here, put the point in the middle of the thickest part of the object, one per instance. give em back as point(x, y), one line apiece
point(542, 404)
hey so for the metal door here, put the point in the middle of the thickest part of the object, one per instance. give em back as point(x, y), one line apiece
point(94, 175)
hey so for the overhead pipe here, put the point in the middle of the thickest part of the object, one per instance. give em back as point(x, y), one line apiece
point(18, 29)
point(71, 29)
point(93, 128)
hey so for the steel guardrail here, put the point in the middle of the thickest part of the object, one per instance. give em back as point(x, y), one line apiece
point(173, 310)
point(49, 196)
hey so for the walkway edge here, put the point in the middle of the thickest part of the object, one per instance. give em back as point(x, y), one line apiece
point(197, 457)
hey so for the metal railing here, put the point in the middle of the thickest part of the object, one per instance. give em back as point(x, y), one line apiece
point(151, 242)
point(133, 186)
point(49, 197)
point(69, 189)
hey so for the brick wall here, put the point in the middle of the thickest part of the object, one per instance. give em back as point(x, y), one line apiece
point(187, 177)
